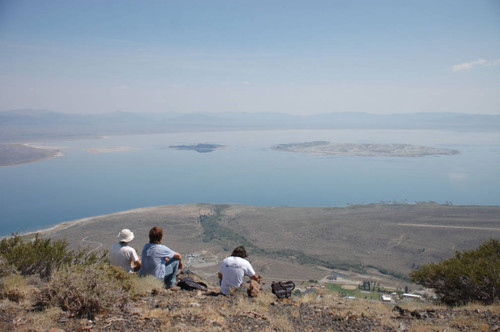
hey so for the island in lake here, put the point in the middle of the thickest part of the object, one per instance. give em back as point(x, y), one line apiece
point(15, 154)
point(200, 147)
point(368, 150)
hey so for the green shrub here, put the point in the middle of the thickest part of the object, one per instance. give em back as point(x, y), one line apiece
point(5, 268)
point(472, 276)
point(42, 256)
point(84, 291)
point(118, 275)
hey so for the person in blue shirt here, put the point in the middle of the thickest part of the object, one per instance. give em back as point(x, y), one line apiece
point(159, 260)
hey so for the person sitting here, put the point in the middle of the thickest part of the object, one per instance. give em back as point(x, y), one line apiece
point(122, 255)
point(233, 271)
point(159, 260)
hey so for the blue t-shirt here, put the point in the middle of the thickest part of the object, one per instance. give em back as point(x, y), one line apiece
point(153, 259)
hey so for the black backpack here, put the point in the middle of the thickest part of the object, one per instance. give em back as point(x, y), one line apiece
point(188, 283)
point(282, 289)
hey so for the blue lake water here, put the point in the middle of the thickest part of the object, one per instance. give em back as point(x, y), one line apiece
point(81, 184)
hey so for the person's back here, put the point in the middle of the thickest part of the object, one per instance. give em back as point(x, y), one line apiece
point(122, 255)
point(233, 270)
point(153, 259)
point(159, 260)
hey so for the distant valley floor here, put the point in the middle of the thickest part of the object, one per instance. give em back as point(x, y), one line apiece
point(340, 244)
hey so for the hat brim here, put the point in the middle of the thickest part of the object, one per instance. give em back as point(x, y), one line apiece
point(126, 238)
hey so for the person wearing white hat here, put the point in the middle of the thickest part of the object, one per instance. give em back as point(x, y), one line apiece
point(121, 254)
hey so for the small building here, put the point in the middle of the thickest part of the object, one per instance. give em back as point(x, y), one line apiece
point(386, 298)
point(412, 296)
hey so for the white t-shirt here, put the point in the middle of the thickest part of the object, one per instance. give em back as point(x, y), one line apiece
point(121, 254)
point(234, 269)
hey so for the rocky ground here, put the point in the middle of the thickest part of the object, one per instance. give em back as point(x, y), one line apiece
point(165, 310)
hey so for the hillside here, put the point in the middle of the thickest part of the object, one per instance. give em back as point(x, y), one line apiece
point(348, 244)
point(161, 310)
point(341, 246)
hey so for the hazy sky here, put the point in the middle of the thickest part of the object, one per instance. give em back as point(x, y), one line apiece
point(300, 57)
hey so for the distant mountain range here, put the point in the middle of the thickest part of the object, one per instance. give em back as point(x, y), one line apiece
point(23, 125)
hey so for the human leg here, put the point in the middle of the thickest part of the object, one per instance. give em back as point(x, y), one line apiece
point(171, 268)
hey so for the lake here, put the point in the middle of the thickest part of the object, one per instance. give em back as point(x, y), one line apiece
point(82, 184)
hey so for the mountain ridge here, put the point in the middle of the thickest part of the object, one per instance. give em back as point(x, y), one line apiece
point(25, 125)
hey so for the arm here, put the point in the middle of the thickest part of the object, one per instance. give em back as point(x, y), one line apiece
point(179, 257)
point(135, 261)
point(219, 275)
point(257, 278)
point(137, 265)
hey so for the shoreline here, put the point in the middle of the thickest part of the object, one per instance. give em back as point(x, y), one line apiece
point(110, 149)
point(71, 223)
point(26, 153)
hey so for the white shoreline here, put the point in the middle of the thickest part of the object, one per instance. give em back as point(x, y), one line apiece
point(110, 149)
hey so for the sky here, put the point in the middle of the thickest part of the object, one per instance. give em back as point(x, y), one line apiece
point(297, 57)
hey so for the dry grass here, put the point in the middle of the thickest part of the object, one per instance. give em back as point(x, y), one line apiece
point(41, 321)
point(477, 306)
point(310, 298)
point(281, 323)
point(157, 313)
point(144, 286)
point(349, 308)
point(259, 303)
point(16, 288)
point(423, 326)
point(208, 314)
point(469, 323)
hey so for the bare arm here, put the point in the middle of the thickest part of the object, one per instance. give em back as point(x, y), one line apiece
point(179, 257)
point(137, 265)
point(257, 278)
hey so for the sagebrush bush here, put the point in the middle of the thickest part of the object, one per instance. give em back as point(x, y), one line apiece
point(118, 275)
point(84, 291)
point(470, 276)
point(42, 256)
point(5, 268)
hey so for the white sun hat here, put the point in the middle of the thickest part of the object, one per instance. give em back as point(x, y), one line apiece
point(125, 235)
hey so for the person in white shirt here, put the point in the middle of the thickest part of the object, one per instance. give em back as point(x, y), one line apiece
point(233, 270)
point(121, 254)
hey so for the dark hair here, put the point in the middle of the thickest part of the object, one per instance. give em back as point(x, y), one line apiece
point(240, 252)
point(155, 234)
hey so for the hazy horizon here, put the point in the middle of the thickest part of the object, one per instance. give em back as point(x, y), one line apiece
point(293, 57)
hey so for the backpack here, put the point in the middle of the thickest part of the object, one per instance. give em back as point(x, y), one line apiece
point(189, 284)
point(282, 289)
